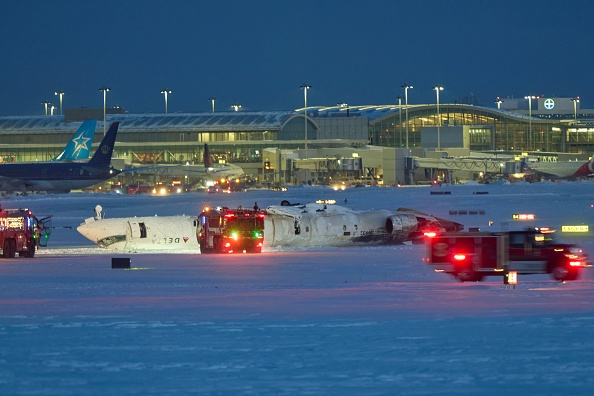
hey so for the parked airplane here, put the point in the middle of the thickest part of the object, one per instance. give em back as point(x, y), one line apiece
point(61, 176)
point(564, 169)
point(285, 225)
point(79, 147)
point(207, 170)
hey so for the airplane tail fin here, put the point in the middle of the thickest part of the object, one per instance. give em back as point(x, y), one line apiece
point(206, 159)
point(79, 147)
point(102, 156)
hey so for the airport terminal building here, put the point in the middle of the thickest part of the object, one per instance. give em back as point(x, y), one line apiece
point(380, 142)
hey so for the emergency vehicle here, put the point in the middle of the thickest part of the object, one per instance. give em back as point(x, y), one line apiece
point(224, 230)
point(469, 256)
point(21, 232)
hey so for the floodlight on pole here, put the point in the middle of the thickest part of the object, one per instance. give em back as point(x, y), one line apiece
point(166, 92)
point(45, 103)
point(400, 122)
point(212, 102)
point(105, 90)
point(498, 101)
point(236, 106)
point(575, 101)
point(438, 88)
point(60, 94)
point(305, 87)
point(530, 97)
point(406, 88)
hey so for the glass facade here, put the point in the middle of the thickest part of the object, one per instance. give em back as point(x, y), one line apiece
point(241, 136)
point(492, 129)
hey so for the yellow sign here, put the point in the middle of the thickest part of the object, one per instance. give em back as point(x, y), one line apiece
point(523, 216)
point(574, 228)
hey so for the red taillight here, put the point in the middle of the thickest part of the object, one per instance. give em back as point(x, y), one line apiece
point(459, 256)
point(430, 234)
point(575, 263)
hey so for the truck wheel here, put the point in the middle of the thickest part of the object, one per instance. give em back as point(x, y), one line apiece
point(11, 248)
point(204, 249)
point(469, 275)
point(563, 273)
point(6, 249)
point(31, 251)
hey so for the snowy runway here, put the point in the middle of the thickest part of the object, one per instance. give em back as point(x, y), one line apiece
point(360, 320)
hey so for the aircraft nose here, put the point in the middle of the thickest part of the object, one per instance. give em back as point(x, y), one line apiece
point(87, 231)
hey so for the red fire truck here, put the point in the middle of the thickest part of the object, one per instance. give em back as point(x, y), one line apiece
point(224, 230)
point(469, 256)
point(21, 232)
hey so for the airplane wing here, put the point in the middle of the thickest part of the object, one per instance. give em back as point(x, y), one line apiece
point(297, 211)
point(10, 184)
point(215, 171)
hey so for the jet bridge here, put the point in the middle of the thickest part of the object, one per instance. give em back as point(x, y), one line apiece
point(465, 167)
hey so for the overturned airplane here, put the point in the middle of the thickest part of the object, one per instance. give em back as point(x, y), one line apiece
point(320, 224)
point(286, 225)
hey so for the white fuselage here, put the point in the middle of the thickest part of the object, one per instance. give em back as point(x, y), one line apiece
point(564, 169)
point(142, 233)
point(284, 226)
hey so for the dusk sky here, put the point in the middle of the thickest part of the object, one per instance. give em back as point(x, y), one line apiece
point(259, 53)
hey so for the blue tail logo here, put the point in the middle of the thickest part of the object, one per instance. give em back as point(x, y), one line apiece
point(79, 147)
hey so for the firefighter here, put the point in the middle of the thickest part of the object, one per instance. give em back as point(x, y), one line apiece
point(98, 212)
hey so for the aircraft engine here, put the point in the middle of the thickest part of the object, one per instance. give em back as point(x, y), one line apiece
point(401, 225)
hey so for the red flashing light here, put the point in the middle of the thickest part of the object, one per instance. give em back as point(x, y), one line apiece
point(228, 244)
point(430, 234)
point(575, 263)
point(460, 256)
point(228, 215)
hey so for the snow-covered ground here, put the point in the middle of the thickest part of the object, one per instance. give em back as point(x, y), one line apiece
point(357, 320)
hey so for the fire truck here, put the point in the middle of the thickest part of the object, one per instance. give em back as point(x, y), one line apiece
point(21, 232)
point(469, 256)
point(224, 230)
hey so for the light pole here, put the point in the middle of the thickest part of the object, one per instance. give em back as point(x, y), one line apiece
point(305, 87)
point(406, 88)
point(52, 108)
point(60, 94)
point(45, 103)
point(438, 88)
point(400, 123)
point(212, 101)
point(236, 107)
point(498, 101)
point(166, 92)
point(530, 97)
point(575, 101)
point(105, 91)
